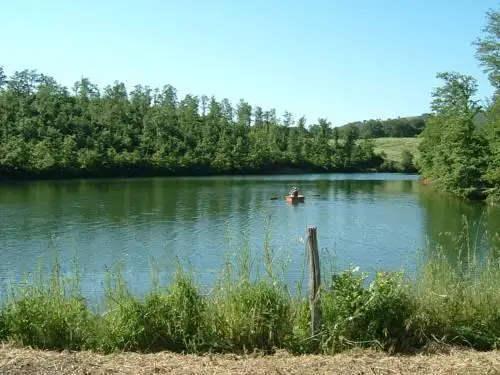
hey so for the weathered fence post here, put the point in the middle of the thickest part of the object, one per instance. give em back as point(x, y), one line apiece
point(314, 279)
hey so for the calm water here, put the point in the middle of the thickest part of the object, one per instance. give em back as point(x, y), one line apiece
point(375, 221)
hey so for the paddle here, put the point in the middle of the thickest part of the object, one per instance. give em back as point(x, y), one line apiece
point(309, 195)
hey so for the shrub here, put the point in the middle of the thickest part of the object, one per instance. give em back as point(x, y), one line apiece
point(46, 319)
point(166, 320)
point(376, 316)
point(254, 316)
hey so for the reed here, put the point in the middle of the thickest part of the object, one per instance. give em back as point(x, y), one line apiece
point(250, 310)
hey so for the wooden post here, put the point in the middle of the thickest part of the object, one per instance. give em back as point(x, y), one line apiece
point(314, 279)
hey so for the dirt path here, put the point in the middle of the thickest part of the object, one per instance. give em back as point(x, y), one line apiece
point(27, 361)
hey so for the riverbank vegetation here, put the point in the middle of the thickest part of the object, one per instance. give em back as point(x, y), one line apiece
point(442, 304)
point(458, 153)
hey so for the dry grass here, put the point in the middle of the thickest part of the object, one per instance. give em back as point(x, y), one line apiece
point(27, 361)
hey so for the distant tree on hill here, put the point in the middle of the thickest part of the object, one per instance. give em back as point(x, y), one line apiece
point(401, 127)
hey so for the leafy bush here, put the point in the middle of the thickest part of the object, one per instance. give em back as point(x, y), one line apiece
point(407, 164)
point(376, 316)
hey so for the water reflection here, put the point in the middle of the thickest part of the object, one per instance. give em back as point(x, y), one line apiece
point(371, 220)
point(460, 229)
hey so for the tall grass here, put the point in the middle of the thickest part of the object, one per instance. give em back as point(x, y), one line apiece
point(47, 313)
point(245, 311)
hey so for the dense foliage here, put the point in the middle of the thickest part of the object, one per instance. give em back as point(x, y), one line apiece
point(443, 305)
point(401, 127)
point(459, 154)
point(48, 130)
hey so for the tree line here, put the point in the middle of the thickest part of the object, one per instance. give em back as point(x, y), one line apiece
point(49, 130)
point(401, 127)
point(458, 153)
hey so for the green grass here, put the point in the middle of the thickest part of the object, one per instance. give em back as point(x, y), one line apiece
point(393, 147)
point(392, 151)
point(242, 313)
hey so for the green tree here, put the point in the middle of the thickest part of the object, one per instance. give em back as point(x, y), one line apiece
point(3, 78)
point(407, 161)
point(488, 47)
point(49, 131)
point(488, 54)
point(492, 130)
point(351, 135)
point(396, 127)
point(454, 153)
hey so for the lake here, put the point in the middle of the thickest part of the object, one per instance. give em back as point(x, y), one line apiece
point(374, 221)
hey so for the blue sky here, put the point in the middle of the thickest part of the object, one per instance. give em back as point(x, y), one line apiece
point(344, 60)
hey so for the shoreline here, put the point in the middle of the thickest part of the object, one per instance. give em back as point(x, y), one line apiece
point(395, 313)
point(27, 177)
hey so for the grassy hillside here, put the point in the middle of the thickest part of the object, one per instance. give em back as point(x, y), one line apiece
point(393, 147)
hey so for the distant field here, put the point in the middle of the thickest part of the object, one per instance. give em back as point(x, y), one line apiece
point(393, 147)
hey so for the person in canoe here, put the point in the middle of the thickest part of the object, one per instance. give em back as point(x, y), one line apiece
point(294, 192)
